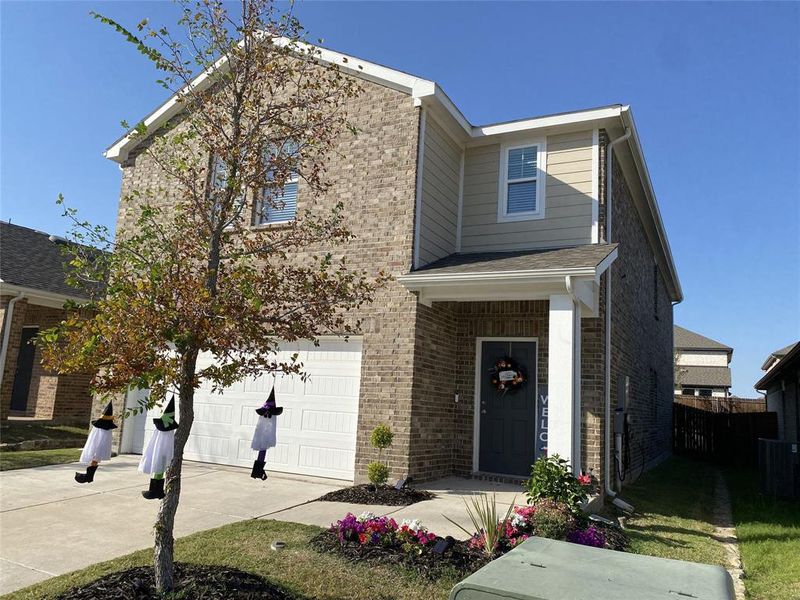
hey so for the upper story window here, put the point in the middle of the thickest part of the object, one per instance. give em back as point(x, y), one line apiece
point(521, 193)
point(281, 207)
point(219, 183)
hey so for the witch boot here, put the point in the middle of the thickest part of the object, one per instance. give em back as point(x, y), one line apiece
point(87, 477)
point(156, 491)
point(258, 470)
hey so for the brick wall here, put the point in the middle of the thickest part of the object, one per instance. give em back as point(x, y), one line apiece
point(50, 396)
point(641, 338)
point(374, 175)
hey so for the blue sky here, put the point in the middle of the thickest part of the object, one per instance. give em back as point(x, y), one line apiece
point(715, 88)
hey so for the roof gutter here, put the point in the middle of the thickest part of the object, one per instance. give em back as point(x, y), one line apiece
point(7, 321)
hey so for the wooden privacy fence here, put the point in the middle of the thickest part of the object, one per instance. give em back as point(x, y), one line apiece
point(726, 438)
point(779, 468)
point(729, 405)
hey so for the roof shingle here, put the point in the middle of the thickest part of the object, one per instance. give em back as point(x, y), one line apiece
point(705, 376)
point(588, 256)
point(683, 339)
point(29, 259)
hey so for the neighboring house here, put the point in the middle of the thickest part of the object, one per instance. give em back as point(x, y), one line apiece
point(701, 365)
point(505, 240)
point(781, 384)
point(33, 291)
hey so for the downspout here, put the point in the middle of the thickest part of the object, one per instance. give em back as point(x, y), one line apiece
point(7, 333)
point(609, 187)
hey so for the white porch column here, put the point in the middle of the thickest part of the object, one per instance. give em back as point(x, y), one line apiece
point(564, 380)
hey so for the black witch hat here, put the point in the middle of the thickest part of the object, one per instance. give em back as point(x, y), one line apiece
point(167, 422)
point(106, 421)
point(270, 407)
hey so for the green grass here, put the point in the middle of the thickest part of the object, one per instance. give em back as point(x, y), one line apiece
point(12, 432)
point(298, 568)
point(769, 539)
point(674, 504)
point(24, 459)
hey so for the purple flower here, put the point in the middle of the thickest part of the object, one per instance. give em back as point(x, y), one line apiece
point(591, 536)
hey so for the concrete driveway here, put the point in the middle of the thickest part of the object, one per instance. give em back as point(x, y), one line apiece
point(50, 525)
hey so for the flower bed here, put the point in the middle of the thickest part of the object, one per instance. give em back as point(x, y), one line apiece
point(377, 494)
point(408, 543)
point(384, 540)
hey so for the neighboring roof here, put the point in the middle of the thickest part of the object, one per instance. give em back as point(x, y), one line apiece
point(790, 360)
point(705, 376)
point(684, 339)
point(428, 93)
point(580, 257)
point(32, 259)
point(776, 356)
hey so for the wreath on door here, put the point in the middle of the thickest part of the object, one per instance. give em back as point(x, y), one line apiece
point(507, 375)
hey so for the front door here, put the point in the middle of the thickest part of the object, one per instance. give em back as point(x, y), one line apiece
point(507, 421)
point(22, 376)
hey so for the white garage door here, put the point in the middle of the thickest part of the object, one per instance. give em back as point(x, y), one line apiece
point(317, 430)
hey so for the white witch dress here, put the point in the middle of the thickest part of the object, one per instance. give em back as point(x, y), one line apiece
point(159, 452)
point(97, 447)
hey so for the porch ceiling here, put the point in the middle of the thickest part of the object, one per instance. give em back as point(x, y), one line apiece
point(530, 275)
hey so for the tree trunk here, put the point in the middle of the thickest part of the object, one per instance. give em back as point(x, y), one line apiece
point(165, 523)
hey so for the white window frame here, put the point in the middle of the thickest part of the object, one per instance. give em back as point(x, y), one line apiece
point(541, 174)
point(295, 178)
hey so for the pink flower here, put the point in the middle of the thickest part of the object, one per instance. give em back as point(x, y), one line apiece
point(585, 479)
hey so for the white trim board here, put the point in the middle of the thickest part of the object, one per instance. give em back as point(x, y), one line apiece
point(476, 400)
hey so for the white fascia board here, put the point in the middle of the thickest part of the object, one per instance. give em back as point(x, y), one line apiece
point(641, 165)
point(417, 281)
point(584, 116)
point(40, 297)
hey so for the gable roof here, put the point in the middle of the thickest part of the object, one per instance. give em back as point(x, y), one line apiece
point(428, 93)
point(33, 260)
point(789, 360)
point(684, 339)
point(777, 355)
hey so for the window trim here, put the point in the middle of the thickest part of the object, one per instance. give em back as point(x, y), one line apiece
point(541, 175)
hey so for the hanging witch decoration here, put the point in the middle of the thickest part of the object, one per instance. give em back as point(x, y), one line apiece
point(507, 375)
point(264, 436)
point(159, 452)
point(98, 445)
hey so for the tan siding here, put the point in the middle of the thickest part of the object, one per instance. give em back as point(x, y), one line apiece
point(440, 178)
point(567, 207)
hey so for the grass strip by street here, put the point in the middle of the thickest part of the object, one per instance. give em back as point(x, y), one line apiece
point(298, 568)
point(674, 512)
point(769, 538)
point(12, 432)
point(24, 459)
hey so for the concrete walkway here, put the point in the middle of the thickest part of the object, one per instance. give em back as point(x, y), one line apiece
point(50, 525)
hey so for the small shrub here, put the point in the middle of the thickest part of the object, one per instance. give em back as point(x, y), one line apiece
point(490, 529)
point(381, 437)
point(552, 479)
point(377, 473)
point(552, 519)
point(591, 536)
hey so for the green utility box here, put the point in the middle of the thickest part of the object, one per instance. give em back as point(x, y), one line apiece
point(542, 569)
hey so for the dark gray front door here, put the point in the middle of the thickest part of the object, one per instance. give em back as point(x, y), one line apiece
point(22, 375)
point(508, 421)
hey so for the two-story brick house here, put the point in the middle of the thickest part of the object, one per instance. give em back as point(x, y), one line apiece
point(538, 240)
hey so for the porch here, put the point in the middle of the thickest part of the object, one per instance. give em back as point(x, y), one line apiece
point(540, 310)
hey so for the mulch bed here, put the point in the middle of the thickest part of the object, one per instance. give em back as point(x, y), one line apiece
point(382, 494)
point(460, 559)
point(191, 581)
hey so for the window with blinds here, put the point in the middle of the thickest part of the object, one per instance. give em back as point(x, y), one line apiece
point(520, 193)
point(282, 208)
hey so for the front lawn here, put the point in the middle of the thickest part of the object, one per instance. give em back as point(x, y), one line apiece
point(299, 569)
point(769, 539)
point(674, 505)
point(24, 459)
point(12, 432)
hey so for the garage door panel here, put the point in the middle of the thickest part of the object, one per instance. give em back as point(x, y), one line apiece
point(317, 430)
